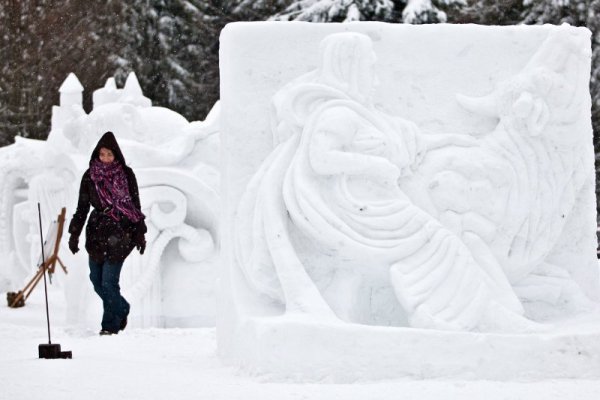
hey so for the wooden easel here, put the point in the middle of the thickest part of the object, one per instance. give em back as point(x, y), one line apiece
point(18, 299)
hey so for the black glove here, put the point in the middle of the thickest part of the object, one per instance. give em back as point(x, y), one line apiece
point(74, 244)
point(141, 246)
point(139, 237)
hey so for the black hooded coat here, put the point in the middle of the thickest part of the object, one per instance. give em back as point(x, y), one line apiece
point(107, 239)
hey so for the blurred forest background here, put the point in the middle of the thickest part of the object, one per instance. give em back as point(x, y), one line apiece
point(173, 45)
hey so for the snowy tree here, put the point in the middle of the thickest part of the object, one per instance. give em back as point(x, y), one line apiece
point(409, 11)
point(488, 12)
point(429, 11)
point(173, 48)
point(18, 101)
point(338, 11)
point(258, 10)
point(153, 40)
point(42, 42)
point(573, 12)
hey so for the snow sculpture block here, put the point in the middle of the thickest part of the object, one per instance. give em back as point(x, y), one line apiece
point(399, 187)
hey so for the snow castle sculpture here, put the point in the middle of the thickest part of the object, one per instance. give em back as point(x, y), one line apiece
point(455, 214)
point(176, 166)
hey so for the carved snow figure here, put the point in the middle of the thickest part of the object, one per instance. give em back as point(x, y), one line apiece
point(330, 188)
point(532, 166)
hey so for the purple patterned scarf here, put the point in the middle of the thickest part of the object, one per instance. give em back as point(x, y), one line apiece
point(112, 188)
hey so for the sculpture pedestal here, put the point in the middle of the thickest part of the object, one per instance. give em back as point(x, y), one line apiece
point(286, 348)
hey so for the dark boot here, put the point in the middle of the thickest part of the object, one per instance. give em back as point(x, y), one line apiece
point(123, 323)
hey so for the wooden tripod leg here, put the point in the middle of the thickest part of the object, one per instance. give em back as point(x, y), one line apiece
point(21, 293)
point(61, 264)
point(31, 282)
point(38, 277)
point(29, 286)
point(16, 300)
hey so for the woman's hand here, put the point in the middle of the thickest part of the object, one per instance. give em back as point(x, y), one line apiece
point(139, 236)
point(141, 246)
point(74, 244)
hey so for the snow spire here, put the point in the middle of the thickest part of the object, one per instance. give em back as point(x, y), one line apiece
point(110, 84)
point(71, 91)
point(132, 92)
point(132, 85)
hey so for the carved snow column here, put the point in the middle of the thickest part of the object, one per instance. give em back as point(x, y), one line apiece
point(71, 92)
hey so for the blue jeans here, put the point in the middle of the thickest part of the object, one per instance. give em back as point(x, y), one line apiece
point(105, 278)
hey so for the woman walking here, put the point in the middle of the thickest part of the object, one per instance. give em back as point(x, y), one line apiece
point(115, 227)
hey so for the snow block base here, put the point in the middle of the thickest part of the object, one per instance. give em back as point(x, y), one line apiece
point(343, 353)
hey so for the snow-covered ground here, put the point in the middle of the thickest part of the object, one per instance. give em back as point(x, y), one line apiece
point(183, 364)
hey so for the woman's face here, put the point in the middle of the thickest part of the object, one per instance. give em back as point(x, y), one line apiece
point(106, 155)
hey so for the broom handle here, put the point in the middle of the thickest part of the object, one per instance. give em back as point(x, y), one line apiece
point(44, 273)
